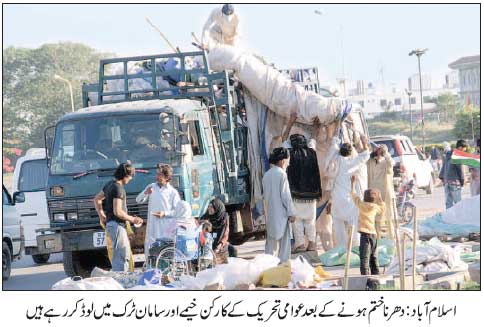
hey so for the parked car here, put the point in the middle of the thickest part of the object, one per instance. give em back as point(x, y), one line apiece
point(30, 178)
point(409, 162)
point(12, 241)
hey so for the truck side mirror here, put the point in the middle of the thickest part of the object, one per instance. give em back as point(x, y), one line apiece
point(18, 197)
point(48, 139)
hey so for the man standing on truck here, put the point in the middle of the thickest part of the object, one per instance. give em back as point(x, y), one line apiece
point(221, 28)
point(162, 201)
point(111, 207)
point(278, 206)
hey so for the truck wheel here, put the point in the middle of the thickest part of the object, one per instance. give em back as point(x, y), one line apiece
point(6, 261)
point(40, 258)
point(81, 263)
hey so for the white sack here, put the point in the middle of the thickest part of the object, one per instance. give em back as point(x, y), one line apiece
point(465, 212)
point(92, 283)
point(237, 271)
point(301, 271)
point(432, 256)
point(273, 89)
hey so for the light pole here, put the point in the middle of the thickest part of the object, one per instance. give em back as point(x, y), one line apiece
point(409, 93)
point(419, 53)
point(342, 81)
point(70, 89)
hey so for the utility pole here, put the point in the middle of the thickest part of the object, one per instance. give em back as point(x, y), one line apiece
point(70, 89)
point(409, 93)
point(419, 53)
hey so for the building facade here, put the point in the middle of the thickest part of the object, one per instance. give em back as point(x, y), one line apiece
point(469, 79)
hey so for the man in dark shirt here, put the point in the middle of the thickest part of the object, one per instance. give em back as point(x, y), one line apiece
point(452, 176)
point(110, 204)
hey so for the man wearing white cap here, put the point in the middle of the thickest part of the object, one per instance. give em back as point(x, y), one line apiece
point(221, 27)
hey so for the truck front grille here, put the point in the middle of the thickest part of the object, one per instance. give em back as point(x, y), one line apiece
point(86, 211)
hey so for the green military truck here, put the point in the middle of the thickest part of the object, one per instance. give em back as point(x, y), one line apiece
point(167, 108)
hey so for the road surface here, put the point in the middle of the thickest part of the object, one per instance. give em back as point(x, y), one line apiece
point(26, 275)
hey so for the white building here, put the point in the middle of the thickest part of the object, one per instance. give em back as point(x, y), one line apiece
point(469, 79)
point(451, 80)
point(376, 101)
point(414, 82)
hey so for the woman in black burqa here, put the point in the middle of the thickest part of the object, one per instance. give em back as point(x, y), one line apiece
point(219, 218)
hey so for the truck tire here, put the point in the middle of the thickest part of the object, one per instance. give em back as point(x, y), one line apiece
point(6, 261)
point(40, 258)
point(81, 263)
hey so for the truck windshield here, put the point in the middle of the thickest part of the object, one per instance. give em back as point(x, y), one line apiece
point(104, 143)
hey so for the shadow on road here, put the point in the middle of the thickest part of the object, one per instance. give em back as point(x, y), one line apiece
point(42, 281)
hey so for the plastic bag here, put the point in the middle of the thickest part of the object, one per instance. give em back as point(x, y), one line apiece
point(92, 283)
point(301, 271)
point(150, 277)
point(337, 257)
point(203, 278)
point(259, 264)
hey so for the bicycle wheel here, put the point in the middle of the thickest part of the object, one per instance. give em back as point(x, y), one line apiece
point(172, 263)
point(409, 213)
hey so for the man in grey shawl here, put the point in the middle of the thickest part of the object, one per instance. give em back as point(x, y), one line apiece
point(278, 206)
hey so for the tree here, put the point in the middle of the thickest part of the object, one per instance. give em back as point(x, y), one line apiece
point(447, 104)
point(463, 124)
point(32, 98)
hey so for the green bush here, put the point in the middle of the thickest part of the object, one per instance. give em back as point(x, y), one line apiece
point(463, 126)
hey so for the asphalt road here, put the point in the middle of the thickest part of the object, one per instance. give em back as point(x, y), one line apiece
point(26, 275)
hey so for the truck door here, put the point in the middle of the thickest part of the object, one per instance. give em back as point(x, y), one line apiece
point(200, 169)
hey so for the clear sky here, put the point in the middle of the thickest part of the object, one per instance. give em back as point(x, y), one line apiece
point(374, 36)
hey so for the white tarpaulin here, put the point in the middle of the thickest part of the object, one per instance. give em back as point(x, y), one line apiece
point(432, 256)
point(273, 88)
point(465, 212)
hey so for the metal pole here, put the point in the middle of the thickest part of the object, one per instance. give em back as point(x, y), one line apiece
point(348, 257)
point(472, 127)
point(410, 108)
point(397, 243)
point(70, 89)
point(421, 103)
point(72, 96)
point(414, 253)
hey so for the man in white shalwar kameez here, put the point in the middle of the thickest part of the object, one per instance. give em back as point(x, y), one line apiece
point(221, 28)
point(162, 201)
point(344, 211)
point(278, 206)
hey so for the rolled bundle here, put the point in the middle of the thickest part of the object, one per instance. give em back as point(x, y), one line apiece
point(273, 89)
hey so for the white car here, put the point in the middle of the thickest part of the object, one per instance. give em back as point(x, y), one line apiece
point(30, 179)
point(12, 241)
point(409, 162)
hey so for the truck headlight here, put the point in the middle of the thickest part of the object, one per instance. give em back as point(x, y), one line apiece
point(59, 217)
point(72, 216)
